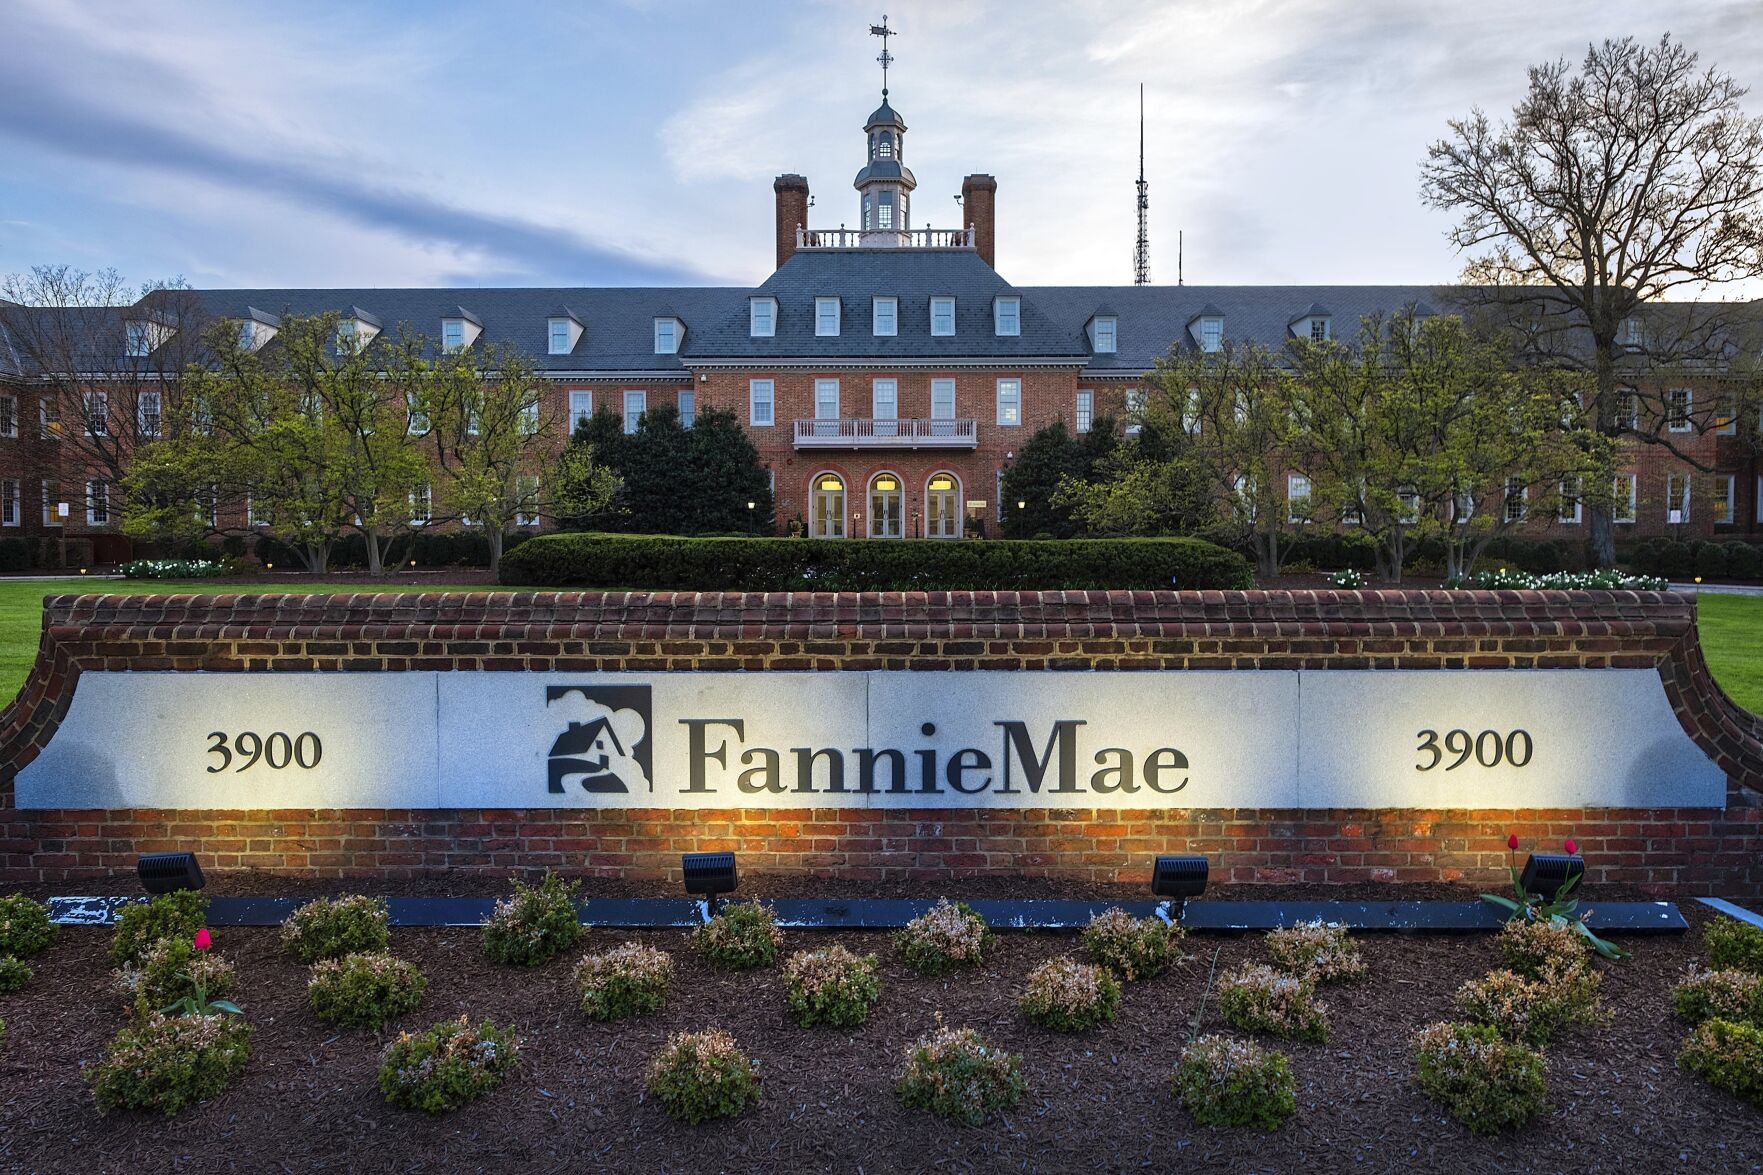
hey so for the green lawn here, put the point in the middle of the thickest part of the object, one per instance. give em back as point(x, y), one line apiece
point(1732, 626)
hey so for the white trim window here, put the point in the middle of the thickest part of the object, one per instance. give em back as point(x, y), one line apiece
point(97, 412)
point(149, 418)
point(48, 418)
point(1625, 492)
point(688, 408)
point(1243, 488)
point(138, 341)
point(1211, 334)
point(1517, 494)
point(1628, 409)
point(884, 313)
point(526, 500)
point(942, 399)
point(826, 399)
point(1007, 316)
point(942, 317)
point(761, 403)
point(529, 417)
point(452, 334)
point(1408, 507)
point(1572, 508)
point(1009, 403)
point(253, 520)
point(51, 508)
point(419, 422)
point(1086, 410)
point(761, 318)
point(581, 407)
point(557, 340)
point(667, 336)
point(1135, 411)
point(884, 399)
point(1297, 498)
point(1724, 492)
point(826, 317)
point(1679, 402)
point(422, 505)
point(1320, 330)
point(1462, 507)
point(8, 416)
point(1107, 334)
point(10, 503)
point(1677, 498)
point(97, 502)
point(1726, 418)
point(636, 402)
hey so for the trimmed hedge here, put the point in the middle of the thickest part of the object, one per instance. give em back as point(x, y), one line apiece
point(659, 562)
point(437, 548)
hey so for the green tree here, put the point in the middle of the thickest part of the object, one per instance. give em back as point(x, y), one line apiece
point(1050, 458)
point(674, 479)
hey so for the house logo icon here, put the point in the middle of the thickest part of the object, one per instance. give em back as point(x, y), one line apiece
point(605, 748)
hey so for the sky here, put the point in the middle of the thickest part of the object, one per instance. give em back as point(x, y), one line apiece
point(633, 142)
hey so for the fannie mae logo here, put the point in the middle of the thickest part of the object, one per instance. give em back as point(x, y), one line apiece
point(605, 746)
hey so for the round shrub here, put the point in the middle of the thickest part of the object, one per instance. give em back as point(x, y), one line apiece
point(831, 986)
point(165, 1063)
point(1711, 561)
point(741, 937)
point(954, 1073)
point(698, 1076)
point(1720, 995)
point(534, 924)
point(947, 936)
point(141, 924)
point(1222, 1081)
point(629, 980)
point(447, 1066)
point(1676, 561)
point(1535, 948)
point(1131, 948)
point(25, 928)
point(14, 974)
point(1321, 953)
point(1068, 996)
point(1256, 998)
point(171, 969)
point(364, 990)
point(1484, 1081)
point(1744, 561)
point(1531, 1011)
point(1734, 946)
point(329, 928)
point(1727, 1056)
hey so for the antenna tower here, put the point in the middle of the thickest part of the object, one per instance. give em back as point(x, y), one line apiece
point(1141, 257)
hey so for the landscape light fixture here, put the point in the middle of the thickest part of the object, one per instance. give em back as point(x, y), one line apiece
point(169, 872)
point(709, 874)
point(1178, 879)
point(1547, 874)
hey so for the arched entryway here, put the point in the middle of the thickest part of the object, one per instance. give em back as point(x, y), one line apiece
point(943, 515)
point(826, 506)
point(887, 506)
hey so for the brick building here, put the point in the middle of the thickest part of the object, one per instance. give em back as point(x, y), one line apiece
point(887, 374)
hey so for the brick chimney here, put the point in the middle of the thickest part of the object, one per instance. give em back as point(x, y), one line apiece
point(792, 213)
point(979, 194)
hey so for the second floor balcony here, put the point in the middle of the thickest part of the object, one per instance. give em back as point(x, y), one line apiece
point(884, 238)
point(863, 432)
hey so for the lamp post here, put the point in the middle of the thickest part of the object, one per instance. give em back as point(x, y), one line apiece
point(750, 506)
point(1021, 507)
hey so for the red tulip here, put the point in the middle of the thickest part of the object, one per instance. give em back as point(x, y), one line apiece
point(1512, 842)
point(204, 940)
point(1571, 846)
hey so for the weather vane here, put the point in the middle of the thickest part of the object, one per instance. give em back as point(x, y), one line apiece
point(884, 32)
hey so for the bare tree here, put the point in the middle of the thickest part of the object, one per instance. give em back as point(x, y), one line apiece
point(1633, 179)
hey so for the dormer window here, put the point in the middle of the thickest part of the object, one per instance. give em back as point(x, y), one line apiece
point(1211, 334)
point(348, 336)
point(942, 317)
point(140, 341)
point(1631, 334)
point(886, 312)
point(1007, 315)
point(256, 329)
point(452, 334)
point(667, 336)
point(826, 316)
point(1103, 335)
point(247, 335)
point(562, 332)
point(762, 317)
point(559, 337)
point(1320, 329)
point(355, 330)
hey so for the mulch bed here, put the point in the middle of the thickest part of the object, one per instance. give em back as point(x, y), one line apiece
point(1098, 1101)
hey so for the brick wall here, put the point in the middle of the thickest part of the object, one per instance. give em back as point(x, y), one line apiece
point(1674, 850)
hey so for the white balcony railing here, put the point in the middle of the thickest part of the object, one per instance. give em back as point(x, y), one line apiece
point(859, 432)
point(889, 238)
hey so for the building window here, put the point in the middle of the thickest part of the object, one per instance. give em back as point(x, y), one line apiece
point(885, 313)
point(1086, 408)
point(252, 518)
point(452, 334)
point(139, 343)
point(942, 399)
point(1106, 334)
point(1135, 411)
point(884, 145)
point(529, 417)
point(1009, 403)
point(422, 505)
point(1007, 316)
point(761, 400)
point(826, 316)
point(887, 500)
point(350, 337)
point(884, 209)
point(526, 498)
point(559, 338)
point(8, 416)
point(688, 409)
point(884, 398)
point(1623, 509)
point(1319, 330)
point(762, 317)
point(1211, 334)
point(1407, 507)
point(1726, 418)
point(636, 402)
point(147, 413)
point(942, 507)
point(10, 507)
point(1678, 402)
point(942, 317)
point(667, 336)
point(97, 407)
point(1571, 506)
point(581, 407)
point(826, 508)
point(51, 508)
point(1630, 334)
point(1297, 498)
point(1677, 498)
point(826, 399)
point(1723, 495)
point(1516, 493)
point(1628, 412)
point(419, 420)
point(48, 419)
point(97, 503)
